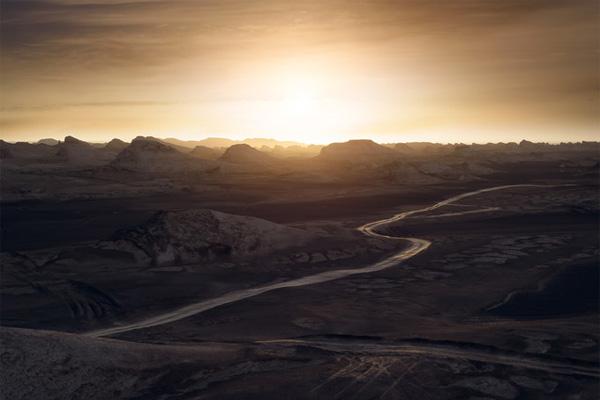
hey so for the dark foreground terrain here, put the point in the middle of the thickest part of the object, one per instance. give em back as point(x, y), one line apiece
point(258, 285)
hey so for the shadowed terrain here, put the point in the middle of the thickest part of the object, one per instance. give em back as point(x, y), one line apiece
point(163, 269)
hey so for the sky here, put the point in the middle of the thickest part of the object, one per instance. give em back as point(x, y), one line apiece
point(314, 71)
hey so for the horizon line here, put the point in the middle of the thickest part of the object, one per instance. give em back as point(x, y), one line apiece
point(296, 142)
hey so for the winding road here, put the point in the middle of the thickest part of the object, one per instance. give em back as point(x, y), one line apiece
point(416, 246)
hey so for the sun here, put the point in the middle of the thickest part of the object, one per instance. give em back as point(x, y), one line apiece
point(302, 107)
point(309, 105)
point(299, 98)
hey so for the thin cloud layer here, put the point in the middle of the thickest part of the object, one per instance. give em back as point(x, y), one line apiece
point(425, 68)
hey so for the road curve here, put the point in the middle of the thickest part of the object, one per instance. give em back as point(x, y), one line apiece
point(415, 247)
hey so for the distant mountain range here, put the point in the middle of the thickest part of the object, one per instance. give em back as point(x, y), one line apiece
point(150, 154)
point(223, 142)
point(274, 144)
point(76, 166)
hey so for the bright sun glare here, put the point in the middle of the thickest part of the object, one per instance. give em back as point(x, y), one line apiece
point(299, 99)
point(304, 111)
point(300, 108)
point(306, 103)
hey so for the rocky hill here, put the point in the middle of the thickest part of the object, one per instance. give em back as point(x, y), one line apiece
point(212, 142)
point(192, 236)
point(215, 142)
point(357, 151)
point(27, 152)
point(204, 152)
point(78, 152)
point(116, 145)
point(48, 141)
point(245, 154)
point(43, 365)
point(147, 155)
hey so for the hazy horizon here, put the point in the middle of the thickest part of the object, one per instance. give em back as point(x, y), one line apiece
point(312, 71)
point(290, 140)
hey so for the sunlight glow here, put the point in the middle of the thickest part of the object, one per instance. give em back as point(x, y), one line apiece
point(300, 99)
point(306, 107)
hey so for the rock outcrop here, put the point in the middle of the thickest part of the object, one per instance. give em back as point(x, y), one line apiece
point(48, 141)
point(78, 152)
point(116, 145)
point(147, 155)
point(357, 151)
point(23, 152)
point(193, 236)
point(205, 153)
point(245, 154)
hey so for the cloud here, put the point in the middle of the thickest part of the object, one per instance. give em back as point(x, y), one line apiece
point(473, 56)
